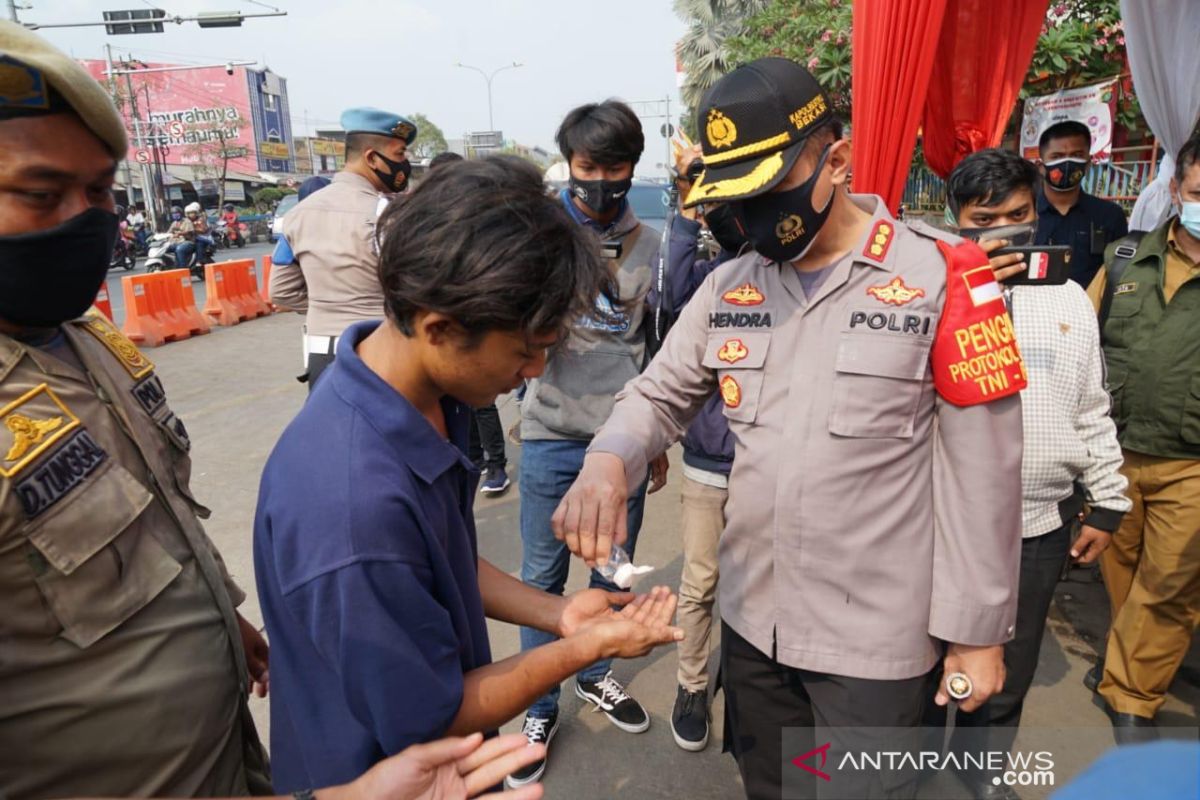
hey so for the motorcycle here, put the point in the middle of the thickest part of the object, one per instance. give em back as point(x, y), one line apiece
point(122, 254)
point(226, 235)
point(162, 257)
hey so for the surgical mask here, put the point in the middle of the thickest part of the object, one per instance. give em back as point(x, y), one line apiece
point(396, 176)
point(52, 276)
point(1065, 174)
point(1020, 235)
point(783, 225)
point(723, 225)
point(1189, 217)
point(600, 196)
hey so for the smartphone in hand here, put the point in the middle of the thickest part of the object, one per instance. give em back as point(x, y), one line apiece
point(1047, 265)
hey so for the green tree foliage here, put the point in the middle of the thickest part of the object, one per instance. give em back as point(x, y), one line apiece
point(430, 140)
point(702, 51)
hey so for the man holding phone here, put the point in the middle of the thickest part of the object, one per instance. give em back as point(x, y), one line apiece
point(1070, 440)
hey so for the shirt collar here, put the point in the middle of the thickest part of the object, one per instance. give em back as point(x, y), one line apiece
point(357, 181)
point(1173, 244)
point(1044, 205)
point(394, 417)
point(618, 225)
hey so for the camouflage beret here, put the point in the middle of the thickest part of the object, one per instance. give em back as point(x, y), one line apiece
point(36, 78)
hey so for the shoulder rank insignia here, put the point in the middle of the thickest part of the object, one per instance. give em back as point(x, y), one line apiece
point(745, 295)
point(895, 293)
point(132, 359)
point(733, 351)
point(731, 392)
point(31, 424)
point(880, 241)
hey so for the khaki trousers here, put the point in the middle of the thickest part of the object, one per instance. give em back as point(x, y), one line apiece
point(703, 522)
point(1152, 573)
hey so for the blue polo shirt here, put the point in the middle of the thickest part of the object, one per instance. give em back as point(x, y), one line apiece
point(1087, 228)
point(365, 558)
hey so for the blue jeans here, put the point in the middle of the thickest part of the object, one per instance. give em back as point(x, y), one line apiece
point(183, 254)
point(548, 468)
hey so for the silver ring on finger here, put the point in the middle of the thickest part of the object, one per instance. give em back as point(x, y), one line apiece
point(959, 686)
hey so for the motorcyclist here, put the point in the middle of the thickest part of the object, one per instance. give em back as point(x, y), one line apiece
point(183, 236)
point(204, 240)
point(230, 218)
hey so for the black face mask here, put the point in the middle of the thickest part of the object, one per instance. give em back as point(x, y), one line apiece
point(52, 276)
point(1065, 174)
point(783, 225)
point(397, 175)
point(723, 225)
point(1019, 235)
point(600, 196)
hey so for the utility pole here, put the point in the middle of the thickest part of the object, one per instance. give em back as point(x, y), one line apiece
point(12, 10)
point(489, 78)
point(139, 142)
point(112, 90)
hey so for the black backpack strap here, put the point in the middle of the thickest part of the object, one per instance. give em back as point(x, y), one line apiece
point(1123, 253)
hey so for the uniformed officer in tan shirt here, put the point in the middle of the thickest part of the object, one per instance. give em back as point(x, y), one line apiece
point(330, 236)
point(123, 666)
point(869, 376)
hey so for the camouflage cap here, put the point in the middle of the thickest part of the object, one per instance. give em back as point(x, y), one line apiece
point(37, 79)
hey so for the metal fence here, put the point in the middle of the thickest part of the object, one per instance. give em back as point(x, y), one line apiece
point(1119, 180)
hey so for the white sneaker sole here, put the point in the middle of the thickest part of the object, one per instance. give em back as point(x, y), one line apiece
point(513, 783)
point(488, 490)
point(691, 747)
point(645, 726)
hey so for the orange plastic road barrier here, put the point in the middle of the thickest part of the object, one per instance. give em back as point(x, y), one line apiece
point(103, 303)
point(266, 284)
point(161, 307)
point(233, 297)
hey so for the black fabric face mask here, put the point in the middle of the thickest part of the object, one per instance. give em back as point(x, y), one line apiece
point(397, 175)
point(1020, 235)
point(723, 225)
point(52, 276)
point(1065, 174)
point(783, 225)
point(600, 196)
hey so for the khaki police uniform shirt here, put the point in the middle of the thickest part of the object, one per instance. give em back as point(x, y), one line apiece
point(867, 517)
point(121, 666)
point(332, 234)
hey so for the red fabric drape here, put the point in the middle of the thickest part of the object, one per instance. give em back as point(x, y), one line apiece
point(895, 45)
point(982, 57)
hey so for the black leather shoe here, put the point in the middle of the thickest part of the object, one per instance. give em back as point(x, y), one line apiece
point(1094, 675)
point(1132, 729)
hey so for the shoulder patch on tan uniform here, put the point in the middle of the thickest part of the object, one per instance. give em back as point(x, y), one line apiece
point(30, 425)
point(132, 359)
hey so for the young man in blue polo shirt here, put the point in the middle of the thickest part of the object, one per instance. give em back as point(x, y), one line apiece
point(1066, 213)
point(365, 551)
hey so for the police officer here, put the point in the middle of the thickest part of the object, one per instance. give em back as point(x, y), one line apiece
point(327, 263)
point(867, 370)
point(124, 664)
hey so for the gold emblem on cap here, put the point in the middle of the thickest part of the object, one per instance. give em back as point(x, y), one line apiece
point(19, 86)
point(403, 130)
point(720, 129)
point(789, 229)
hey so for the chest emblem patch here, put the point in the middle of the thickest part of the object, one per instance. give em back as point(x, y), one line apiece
point(895, 293)
point(1126, 288)
point(731, 392)
point(733, 351)
point(745, 295)
point(32, 424)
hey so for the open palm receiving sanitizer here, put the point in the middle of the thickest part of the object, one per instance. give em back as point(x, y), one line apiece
point(620, 570)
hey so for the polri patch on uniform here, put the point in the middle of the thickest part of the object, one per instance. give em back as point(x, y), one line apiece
point(30, 425)
point(895, 293)
point(731, 392)
point(21, 86)
point(132, 359)
point(66, 468)
point(150, 394)
point(745, 295)
point(733, 351)
point(1126, 288)
point(880, 241)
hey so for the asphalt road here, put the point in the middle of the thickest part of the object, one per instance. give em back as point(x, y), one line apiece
point(235, 389)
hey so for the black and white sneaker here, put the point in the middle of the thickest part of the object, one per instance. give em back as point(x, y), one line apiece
point(538, 730)
point(689, 720)
point(609, 696)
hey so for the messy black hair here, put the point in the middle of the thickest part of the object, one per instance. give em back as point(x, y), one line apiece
point(1066, 129)
point(1189, 154)
point(988, 178)
point(441, 159)
point(484, 244)
point(608, 133)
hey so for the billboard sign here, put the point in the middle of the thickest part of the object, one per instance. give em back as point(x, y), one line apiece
point(1094, 106)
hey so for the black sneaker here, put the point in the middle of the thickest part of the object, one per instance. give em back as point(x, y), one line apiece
point(609, 696)
point(689, 720)
point(538, 730)
point(1094, 675)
